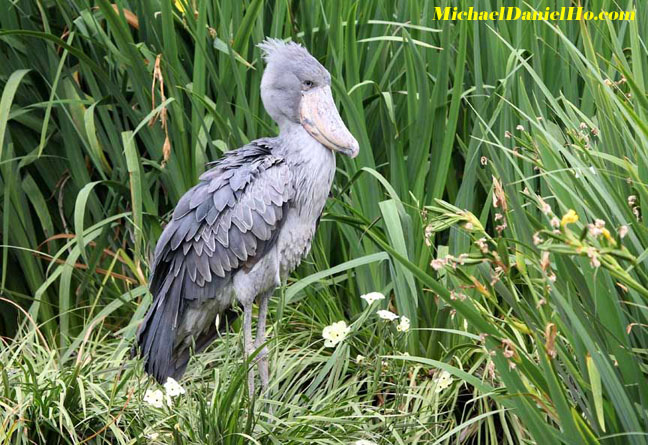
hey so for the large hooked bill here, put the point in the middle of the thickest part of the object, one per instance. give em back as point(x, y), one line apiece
point(321, 120)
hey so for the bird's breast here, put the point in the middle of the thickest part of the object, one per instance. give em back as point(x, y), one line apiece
point(294, 243)
point(314, 178)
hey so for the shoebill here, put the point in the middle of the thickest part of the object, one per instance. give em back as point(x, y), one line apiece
point(247, 224)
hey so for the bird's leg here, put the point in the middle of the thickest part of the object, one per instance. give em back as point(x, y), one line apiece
point(248, 345)
point(261, 339)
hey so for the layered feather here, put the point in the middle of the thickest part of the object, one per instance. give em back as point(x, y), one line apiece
point(227, 222)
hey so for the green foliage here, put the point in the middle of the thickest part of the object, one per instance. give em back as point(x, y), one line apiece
point(474, 137)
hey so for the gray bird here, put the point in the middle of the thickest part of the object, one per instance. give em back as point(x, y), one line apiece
point(237, 234)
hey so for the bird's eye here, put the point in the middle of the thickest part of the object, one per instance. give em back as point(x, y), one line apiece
point(308, 84)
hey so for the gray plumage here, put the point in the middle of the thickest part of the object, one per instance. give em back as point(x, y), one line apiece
point(248, 222)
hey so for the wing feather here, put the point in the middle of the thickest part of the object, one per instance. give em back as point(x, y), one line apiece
point(225, 222)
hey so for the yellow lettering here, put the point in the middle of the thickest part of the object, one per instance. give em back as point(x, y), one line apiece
point(513, 13)
point(571, 13)
point(442, 13)
point(628, 15)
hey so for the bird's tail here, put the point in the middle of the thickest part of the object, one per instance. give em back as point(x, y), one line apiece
point(156, 335)
point(195, 337)
point(174, 327)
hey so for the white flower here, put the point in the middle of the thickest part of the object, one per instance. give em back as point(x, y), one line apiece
point(544, 206)
point(520, 127)
point(592, 254)
point(437, 264)
point(404, 324)
point(173, 388)
point(623, 231)
point(450, 261)
point(594, 231)
point(482, 244)
point(632, 199)
point(372, 296)
point(555, 222)
point(387, 315)
point(429, 231)
point(443, 381)
point(545, 262)
point(335, 333)
point(597, 228)
point(364, 442)
point(360, 359)
point(536, 238)
point(454, 295)
point(154, 398)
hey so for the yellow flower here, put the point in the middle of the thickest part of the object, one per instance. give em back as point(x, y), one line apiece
point(569, 218)
point(606, 234)
point(179, 6)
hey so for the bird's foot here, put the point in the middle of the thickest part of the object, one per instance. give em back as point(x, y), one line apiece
point(250, 383)
point(248, 345)
point(262, 363)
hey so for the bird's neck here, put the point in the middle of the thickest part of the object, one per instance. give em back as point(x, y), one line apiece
point(313, 166)
point(299, 147)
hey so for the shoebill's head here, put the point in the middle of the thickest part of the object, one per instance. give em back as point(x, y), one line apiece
point(296, 89)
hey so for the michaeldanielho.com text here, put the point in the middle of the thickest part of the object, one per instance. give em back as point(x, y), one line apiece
point(515, 13)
